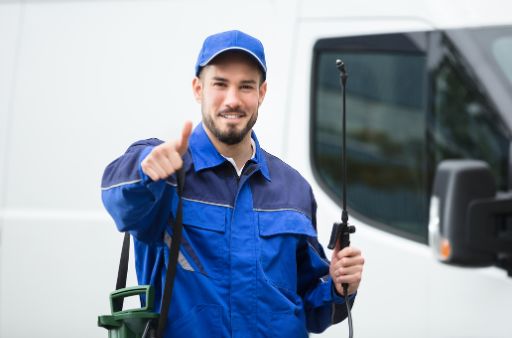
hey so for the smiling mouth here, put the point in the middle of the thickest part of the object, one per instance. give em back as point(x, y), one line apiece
point(232, 116)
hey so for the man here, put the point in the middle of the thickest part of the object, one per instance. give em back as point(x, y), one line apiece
point(250, 264)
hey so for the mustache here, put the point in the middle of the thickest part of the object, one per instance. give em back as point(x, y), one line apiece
point(232, 110)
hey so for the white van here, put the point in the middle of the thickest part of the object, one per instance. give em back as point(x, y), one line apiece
point(428, 81)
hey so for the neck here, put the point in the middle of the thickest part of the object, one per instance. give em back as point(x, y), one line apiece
point(240, 152)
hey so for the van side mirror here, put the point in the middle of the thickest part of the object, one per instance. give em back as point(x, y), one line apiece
point(468, 223)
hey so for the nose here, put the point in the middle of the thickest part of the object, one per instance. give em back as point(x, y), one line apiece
point(232, 98)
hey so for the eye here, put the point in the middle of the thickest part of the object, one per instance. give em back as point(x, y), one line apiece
point(247, 87)
point(219, 84)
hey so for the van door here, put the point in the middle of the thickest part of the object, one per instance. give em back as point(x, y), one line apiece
point(392, 142)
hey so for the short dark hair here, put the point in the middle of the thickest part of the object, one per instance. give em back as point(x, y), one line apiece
point(237, 53)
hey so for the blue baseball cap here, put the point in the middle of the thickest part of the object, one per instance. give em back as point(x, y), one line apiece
point(217, 44)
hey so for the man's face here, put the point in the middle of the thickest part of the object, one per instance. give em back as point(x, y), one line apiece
point(230, 94)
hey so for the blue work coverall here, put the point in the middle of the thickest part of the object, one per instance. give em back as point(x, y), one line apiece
point(250, 264)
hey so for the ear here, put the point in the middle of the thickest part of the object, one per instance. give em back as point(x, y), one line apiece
point(197, 89)
point(263, 91)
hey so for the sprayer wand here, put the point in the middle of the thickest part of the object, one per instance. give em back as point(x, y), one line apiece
point(341, 231)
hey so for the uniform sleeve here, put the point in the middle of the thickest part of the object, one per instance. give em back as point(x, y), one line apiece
point(324, 307)
point(132, 199)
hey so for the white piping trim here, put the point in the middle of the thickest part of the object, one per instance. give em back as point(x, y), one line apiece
point(282, 209)
point(209, 203)
point(132, 182)
point(121, 184)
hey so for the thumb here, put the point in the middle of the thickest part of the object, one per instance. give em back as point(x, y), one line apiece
point(334, 256)
point(182, 145)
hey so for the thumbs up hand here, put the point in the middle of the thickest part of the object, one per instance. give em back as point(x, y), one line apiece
point(166, 158)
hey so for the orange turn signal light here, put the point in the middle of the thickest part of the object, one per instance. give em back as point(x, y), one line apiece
point(445, 249)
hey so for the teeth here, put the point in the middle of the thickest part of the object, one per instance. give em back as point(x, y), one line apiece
point(231, 116)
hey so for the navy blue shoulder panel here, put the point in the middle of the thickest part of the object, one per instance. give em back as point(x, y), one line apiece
point(287, 190)
point(125, 168)
point(216, 185)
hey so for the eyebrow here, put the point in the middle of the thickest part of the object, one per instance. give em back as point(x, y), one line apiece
point(248, 82)
point(221, 79)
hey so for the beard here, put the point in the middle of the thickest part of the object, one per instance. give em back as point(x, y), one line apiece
point(232, 135)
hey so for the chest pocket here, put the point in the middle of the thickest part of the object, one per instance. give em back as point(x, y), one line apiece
point(280, 235)
point(204, 243)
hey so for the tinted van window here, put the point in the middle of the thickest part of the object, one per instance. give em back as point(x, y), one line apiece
point(386, 147)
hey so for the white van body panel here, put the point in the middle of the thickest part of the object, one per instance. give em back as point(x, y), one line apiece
point(446, 300)
point(81, 80)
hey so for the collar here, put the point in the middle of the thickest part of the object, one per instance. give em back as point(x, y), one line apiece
point(232, 161)
point(205, 155)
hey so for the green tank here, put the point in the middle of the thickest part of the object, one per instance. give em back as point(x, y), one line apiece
point(131, 323)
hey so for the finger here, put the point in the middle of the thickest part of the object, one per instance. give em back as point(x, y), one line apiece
point(353, 270)
point(175, 160)
point(349, 261)
point(156, 162)
point(349, 251)
point(160, 161)
point(351, 289)
point(350, 275)
point(159, 170)
point(150, 172)
point(334, 256)
point(335, 251)
point(164, 159)
point(182, 145)
point(147, 169)
point(349, 279)
point(339, 288)
point(167, 166)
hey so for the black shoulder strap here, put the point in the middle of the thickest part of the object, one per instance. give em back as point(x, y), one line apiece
point(173, 261)
point(123, 262)
point(122, 272)
point(173, 257)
